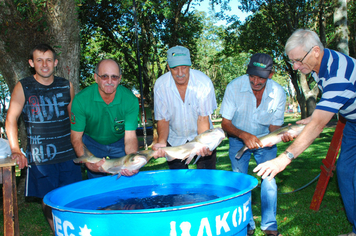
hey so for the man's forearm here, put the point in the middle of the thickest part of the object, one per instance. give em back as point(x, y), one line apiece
point(12, 135)
point(77, 143)
point(229, 128)
point(203, 124)
point(163, 131)
point(131, 142)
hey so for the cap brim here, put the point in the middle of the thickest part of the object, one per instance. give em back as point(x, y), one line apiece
point(260, 73)
point(178, 63)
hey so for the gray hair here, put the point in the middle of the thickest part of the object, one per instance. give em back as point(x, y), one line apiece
point(305, 38)
point(98, 65)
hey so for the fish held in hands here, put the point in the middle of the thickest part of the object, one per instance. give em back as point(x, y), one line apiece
point(133, 161)
point(275, 137)
point(209, 139)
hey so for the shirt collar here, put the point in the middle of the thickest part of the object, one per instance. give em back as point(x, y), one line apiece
point(171, 83)
point(97, 97)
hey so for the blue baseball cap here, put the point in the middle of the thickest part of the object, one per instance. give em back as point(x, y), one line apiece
point(178, 56)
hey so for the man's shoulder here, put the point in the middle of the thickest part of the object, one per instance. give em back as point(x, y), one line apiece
point(26, 79)
point(60, 79)
point(200, 79)
point(162, 80)
point(238, 81)
point(123, 91)
point(85, 92)
point(276, 85)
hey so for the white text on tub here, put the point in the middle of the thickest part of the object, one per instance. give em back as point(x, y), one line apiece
point(237, 217)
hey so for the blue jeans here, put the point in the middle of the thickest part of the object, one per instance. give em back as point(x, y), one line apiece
point(346, 172)
point(114, 150)
point(268, 188)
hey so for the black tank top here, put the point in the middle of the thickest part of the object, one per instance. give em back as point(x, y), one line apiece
point(47, 121)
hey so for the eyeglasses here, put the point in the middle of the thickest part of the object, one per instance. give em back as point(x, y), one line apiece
point(106, 77)
point(300, 62)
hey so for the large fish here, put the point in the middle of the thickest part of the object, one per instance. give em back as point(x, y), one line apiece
point(130, 162)
point(275, 137)
point(210, 138)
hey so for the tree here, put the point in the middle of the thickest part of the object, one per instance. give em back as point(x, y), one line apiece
point(340, 21)
point(25, 23)
point(4, 101)
point(268, 29)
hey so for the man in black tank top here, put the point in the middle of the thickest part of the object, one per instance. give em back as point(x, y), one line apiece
point(45, 101)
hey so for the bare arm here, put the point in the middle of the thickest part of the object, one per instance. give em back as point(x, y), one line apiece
point(203, 125)
point(250, 140)
point(131, 142)
point(163, 131)
point(71, 99)
point(17, 103)
point(77, 142)
point(274, 127)
point(317, 122)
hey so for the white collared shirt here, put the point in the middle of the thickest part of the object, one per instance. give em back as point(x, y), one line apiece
point(182, 116)
point(239, 106)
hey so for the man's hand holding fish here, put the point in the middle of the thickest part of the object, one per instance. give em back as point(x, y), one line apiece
point(201, 145)
point(97, 167)
point(250, 140)
point(160, 151)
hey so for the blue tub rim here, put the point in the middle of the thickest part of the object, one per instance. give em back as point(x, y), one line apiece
point(47, 201)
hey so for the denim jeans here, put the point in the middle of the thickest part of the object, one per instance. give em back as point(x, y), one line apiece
point(268, 188)
point(114, 150)
point(346, 172)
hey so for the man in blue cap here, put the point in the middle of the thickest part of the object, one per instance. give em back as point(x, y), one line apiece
point(184, 99)
point(253, 106)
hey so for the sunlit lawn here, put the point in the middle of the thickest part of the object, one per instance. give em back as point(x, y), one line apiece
point(294, 216)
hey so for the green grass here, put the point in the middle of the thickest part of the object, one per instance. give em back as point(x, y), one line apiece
point(293, 213)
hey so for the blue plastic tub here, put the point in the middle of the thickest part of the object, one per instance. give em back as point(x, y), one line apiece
point(225, 208)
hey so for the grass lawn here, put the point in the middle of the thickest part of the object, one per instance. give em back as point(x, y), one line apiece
point(293, 214)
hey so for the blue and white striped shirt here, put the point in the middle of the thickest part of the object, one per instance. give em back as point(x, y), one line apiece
point(182, 116)
point(336, 79)
point(239, 106)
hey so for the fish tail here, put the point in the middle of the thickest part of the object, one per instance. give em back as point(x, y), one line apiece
point(240, 152)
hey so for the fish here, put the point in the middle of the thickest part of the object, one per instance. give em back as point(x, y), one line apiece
point(210, 139)
point(133, 161)
point(275, 137)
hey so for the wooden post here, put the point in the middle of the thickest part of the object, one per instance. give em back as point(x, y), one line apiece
point(328, 165)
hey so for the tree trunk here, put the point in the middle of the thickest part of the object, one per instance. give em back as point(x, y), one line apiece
point(340, 21)
point(310, 94)
point(23, 26)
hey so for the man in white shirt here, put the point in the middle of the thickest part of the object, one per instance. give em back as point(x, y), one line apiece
point(253, 106)
point(184, 99)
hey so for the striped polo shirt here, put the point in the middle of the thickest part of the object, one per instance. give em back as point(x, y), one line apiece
point(336, 79)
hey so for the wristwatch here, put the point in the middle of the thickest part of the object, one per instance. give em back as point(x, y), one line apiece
point(289, 155)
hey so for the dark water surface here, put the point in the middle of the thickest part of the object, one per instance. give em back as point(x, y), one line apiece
point(151, 197)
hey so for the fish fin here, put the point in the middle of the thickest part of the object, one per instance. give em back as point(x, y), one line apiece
point(240, 152)
point(171, 153)
point(190, 158)
point(118, 175)
point(196, 159)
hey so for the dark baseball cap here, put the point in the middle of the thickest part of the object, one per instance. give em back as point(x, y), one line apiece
point(261, 65)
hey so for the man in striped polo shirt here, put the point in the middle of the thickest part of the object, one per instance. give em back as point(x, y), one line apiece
point(335, 74)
